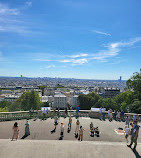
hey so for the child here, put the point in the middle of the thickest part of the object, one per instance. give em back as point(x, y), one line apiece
point(127, 130)
point(92, 130)
point(81, 130)
point(97, 132)
point(62, 130)
point(91, 125)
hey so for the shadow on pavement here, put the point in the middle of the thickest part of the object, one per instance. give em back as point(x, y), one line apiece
point(23, 137)
point(136, 154)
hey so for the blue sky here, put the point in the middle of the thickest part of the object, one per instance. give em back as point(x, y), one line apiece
point(91, 39)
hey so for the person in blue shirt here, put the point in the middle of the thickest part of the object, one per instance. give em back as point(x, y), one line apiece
point(122, 115)
point(77, 109)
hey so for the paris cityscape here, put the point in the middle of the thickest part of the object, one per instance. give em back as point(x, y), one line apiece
point(70, 79)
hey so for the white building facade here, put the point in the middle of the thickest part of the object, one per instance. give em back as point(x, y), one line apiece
point(60, 101)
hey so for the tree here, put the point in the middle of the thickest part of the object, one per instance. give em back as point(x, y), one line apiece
point(123, 100)
point(4, 104)
point(89, 100)
point(45, 104)
point(134, 84)
point(29, 100)
point(135, 107)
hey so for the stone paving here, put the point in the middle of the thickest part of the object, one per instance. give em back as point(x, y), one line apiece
point(40, 130)
point(65, 149)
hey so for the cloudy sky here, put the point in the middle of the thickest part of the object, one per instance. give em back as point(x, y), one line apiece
point(91, 39)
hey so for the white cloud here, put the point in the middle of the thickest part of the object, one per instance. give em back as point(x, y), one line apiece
point(100, 32)
point(74, 61)
point(29, 4)
point(10, 19)
point(78, 55)
point(5, 10)
point(112, 50)
point(50, 66)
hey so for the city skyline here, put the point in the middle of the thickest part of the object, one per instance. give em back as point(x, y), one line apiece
point(70, 39)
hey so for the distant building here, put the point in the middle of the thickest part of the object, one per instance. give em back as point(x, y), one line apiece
point(60, 101)
point(11, 98)
point(110, 92)
point(21, 76)
point(120, 79)
point(74, 101)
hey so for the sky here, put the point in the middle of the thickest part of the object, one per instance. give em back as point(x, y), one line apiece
point(85, 39)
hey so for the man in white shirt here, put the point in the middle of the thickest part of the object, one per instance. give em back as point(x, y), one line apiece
point(103, 113)
point(44, 113)
point(100, 112)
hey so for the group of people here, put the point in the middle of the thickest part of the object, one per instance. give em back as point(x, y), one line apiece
point(116, 115)
point(131, 129)
point(16, 130)
point(78, 129)
point(132, 133)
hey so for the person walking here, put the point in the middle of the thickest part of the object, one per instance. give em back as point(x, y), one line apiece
point(81, 130)
point(27, 130)
point(127, 132)
point(70, 122)
point(134, 135)
point(15, 131)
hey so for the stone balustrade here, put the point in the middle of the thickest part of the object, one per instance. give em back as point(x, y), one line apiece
point(18, 115)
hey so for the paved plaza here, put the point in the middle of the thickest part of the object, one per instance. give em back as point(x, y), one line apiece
point(40, 130)
point(41, 143)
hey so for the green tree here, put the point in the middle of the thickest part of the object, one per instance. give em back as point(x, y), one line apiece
point(5, 103)
point(123, 100)
point(28, 100)
point(89, 100)
point(135, 107)
point(45, 104)
point(134, 84)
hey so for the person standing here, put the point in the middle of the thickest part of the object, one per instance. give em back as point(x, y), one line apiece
point(15, 131)
point(100, 112)
point(122, 115)
point(81, 130)
point(134, 135)
point(62, 130)
point(118, 116)
point(27, 130)
point(77, 127)
point(103, 113)
point(44, 113)
point(111, 115)
point(127, 121)
point(70, 122)
point(91, 125)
